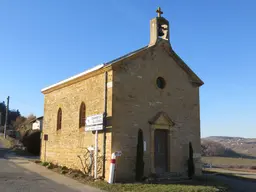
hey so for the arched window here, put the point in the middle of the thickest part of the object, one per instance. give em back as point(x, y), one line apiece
point(59, 119)
point(82, 115)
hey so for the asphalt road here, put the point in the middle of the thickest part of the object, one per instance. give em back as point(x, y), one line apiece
point(19, 175)
point(237, 185)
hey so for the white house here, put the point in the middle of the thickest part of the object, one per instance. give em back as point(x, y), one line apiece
point(37, 124)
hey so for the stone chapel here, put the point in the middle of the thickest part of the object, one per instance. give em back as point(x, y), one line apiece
point(151, 89)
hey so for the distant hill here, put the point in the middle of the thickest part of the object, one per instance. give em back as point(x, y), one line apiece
point(229, 146)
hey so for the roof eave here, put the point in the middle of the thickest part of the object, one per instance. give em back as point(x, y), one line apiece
point(194, 78)
point(92, 71)
point(72, 79)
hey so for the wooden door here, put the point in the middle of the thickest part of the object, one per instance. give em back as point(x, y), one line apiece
point(161, 146)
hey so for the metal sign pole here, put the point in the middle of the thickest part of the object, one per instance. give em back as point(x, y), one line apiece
point(45, 151)
point(95, 123)
point(96, 154)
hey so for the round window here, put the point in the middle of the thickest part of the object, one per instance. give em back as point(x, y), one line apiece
point(160, 82)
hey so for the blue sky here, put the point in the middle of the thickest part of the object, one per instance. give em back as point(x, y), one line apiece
point(43, 42)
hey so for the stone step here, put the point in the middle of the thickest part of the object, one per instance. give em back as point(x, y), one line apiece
point(169, 177)
point(172, 174)
point(173, 181)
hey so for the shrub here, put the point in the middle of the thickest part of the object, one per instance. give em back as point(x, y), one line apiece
point(31, 140)
point(139, 158)
point(50, 166)
point(191, 166)
point(64, 171)
point(64, 168)
point(253, 167)
point(23, 138)
point(45, 164)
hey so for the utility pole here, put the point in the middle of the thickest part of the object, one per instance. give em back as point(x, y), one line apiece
point(6, 116)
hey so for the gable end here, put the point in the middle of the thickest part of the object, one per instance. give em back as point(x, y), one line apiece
point(195, 80)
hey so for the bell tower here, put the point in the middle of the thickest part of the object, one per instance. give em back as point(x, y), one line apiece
point(159, 28)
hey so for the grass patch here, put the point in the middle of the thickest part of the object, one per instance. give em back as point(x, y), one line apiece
point(228, 161)
point(198, 184)
point(153, 187)
point(7, 142)
point(44, 163)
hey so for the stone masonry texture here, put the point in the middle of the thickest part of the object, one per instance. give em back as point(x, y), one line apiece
point(136, 99)
point(64, 146)
point(132, 100)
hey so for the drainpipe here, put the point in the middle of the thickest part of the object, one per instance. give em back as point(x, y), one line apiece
point(104, 124)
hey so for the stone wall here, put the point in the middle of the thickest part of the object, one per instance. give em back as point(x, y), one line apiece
point(137, 99)
point(133, 99)
point(64, 146)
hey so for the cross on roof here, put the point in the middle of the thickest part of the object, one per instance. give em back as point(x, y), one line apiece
point(159, 12)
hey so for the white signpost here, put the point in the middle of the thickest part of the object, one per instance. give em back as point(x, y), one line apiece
point(94, 120)
point(95, 123)
point(93, 127)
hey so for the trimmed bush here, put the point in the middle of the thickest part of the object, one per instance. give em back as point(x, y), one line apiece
point(191, 166)
point(32, 141)
point(139, 157)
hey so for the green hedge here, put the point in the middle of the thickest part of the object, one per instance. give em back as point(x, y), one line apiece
point(31, 140)
point(191, 166)
point(139, 158)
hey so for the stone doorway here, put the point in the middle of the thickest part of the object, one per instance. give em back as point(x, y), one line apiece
point(161, 151)
point(161, 127)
